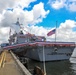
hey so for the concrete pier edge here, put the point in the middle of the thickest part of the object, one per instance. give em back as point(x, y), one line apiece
point(25, 71)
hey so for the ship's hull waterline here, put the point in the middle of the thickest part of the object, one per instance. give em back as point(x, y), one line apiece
point(50, 53)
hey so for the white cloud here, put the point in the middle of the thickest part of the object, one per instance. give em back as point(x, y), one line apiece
point(34, 16)
point(23, 3)
point(14, 4)
point(39, 12)
point(68, 4)
point(4, 34)
point(66, 32)
point(5, 4)
point(71, 5)
point(58, 4)
point(38, 30)
point(69, 24)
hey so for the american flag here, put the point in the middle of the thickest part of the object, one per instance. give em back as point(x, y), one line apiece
point(51, 32)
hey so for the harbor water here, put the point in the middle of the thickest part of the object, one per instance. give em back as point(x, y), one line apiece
point(56, 68)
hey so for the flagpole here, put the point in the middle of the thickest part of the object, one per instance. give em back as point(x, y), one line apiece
point(55, 31)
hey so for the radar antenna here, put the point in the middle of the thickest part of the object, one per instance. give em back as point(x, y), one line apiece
point(18, 23)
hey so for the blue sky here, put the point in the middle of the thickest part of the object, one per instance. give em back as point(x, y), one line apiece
point(39, 17)
point(59, 15)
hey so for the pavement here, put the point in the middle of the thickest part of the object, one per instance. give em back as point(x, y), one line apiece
point(9, 66)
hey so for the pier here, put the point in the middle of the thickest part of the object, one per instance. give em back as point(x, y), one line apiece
point(10, 64)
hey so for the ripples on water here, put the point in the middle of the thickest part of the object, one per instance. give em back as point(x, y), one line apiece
point(57, 67)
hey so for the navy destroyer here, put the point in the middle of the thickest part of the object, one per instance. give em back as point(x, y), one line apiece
point(36, 47)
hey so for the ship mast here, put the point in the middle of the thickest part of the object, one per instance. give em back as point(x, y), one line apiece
point(18, 24)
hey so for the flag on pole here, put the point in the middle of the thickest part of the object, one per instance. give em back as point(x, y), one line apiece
point(51, 32)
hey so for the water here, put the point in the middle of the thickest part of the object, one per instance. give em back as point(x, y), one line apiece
point(56, 68)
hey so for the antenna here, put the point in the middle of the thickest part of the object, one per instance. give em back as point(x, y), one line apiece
point(18, 23)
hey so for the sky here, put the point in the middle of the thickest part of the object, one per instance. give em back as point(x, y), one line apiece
point(39, 17)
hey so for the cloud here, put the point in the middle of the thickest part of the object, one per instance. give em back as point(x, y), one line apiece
point(14, 4)
point(41, 31)
point(39, 13)
point(71, 5)
point(32, 17)
point(57, 4)
point(5, 4)
point(23, 3)
point(65, 31)
point(68, 4)
point(4, 34)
